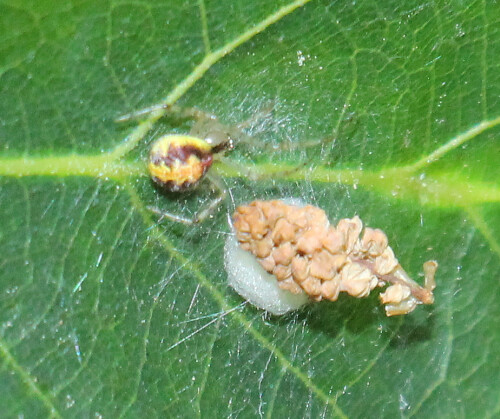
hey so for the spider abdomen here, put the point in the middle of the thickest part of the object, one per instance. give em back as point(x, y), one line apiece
point(179, 162)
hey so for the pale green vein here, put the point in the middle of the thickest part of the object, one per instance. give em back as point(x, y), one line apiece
point(442, 374)
point(446, 348)
point(445, 189)
point(29, 233)
point(430, 105)
point(207, 363)
point(143, 349)
point(454, 143)
point(274, 393)
point(442, 189)
point(25, 124)
point(479, 222)
point(103, 166)
point(55, 294)
point(373, 361)
point(479, 362)
point(103, 264)
point(107, 58)
point(204, 27)
point(89, 350)
point(158, 235)
point(141, 130)
point(494, 413)
point(484, 61)
point(28, 380)
point(350, 93)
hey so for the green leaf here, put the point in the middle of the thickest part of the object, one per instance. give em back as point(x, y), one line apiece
point(107, 312)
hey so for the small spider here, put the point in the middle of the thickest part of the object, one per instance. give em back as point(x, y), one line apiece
point(178, 162)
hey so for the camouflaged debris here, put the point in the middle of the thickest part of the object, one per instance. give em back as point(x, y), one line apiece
point(306, 254)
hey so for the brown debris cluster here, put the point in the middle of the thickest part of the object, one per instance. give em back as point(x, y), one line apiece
point(306, 254)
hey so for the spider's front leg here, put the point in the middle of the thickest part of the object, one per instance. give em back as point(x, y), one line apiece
point(203, 213)
point(193, 113)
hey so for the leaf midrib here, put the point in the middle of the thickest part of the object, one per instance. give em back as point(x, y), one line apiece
point(446, 189)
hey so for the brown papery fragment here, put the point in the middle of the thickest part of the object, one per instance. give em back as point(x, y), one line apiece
point(306, 254)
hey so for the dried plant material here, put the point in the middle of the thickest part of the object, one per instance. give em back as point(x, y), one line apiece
point(247, 277)
point(306, 254)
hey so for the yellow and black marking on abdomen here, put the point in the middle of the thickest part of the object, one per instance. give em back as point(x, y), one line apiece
point(178, 162)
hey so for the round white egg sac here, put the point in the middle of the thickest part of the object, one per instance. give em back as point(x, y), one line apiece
point(252, 282)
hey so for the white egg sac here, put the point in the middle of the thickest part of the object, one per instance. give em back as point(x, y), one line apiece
point(249, 279)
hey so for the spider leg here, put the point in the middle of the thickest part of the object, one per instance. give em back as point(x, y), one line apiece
point(195, 113)
point(171, 216)
point(140, 113)
point(253, 174)
point(238, 132)
point(218, 186)
point(179, 111)
point(261, 114)
point(203, 213)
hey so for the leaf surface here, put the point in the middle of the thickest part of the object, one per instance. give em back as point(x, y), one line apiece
point(388, 111)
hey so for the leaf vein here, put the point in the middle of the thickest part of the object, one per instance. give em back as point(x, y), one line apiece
point(237, 316)
point(26, 378)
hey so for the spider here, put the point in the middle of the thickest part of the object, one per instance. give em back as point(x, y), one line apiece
point(178, 162)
